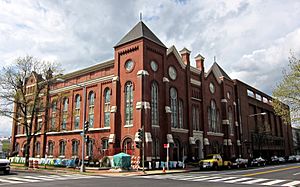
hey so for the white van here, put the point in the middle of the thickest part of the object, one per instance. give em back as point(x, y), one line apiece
point(4, 165)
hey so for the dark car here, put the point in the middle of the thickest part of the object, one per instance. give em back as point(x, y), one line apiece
point(291, 158)
point(258, 162)
point(274, 160)
point(281, 160)
point(240, 163)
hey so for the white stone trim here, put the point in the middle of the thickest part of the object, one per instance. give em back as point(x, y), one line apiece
point(40, 119)
point(85, 83)
point(179, 130)
point(224, 100)
point(168, 109)
point(113, 109)
point(236, 124)
point(192, 140)
point(20, 135)
point(128, 126)
point(196, 99)
point(142, 104)
point(177, 55)
point(170, 138)
point(206, 141)
point(64, 132)
point(115, 79)
point(225, 142)
point(142, 72)
point(148, 137)
point(229, 142)
point(99, 129)
point(155, 126)
point(225, 122)
point(234, 103)
point(215, 134)
point(195, 82)
point(111, 138)
point(238, 143)
point(165, 79)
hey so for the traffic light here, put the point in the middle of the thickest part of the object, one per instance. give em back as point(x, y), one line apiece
point(140, 134)
point(138, 145)
point(86, 126)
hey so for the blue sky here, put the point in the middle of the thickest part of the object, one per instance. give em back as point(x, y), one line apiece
point(251, 39)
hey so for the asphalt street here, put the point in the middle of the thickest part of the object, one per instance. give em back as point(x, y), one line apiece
point(279, 175)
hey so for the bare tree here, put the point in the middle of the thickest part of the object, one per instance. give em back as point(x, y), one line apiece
point(24, 90)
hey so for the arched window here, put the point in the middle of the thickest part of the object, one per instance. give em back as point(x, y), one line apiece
point(230, 119)
point(50, 148)
point(174, 108)
point(89, 148)
point(75, 144)
point(77, 112)
point(64, 114)
point(195, 118)
point(213, 117)
point(106, 107)
point(127, 146)
point(91, 109)
point(128, 103)
point(154, 104)
point(62, 148)
point(180, 110)
point(155, 148)
point(37, 149)
point(53, 115)
point(104, 143)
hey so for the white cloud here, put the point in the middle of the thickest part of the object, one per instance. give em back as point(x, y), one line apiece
point(250, 38)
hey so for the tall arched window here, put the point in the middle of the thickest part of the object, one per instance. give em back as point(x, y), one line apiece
point(107, 107)
point(230, 119)
point(62, 148)
point(156, 148)
point(53, 115)
point(174, 108)
point(180, 110)
point(75, 144)
point(37, 149)
point(128, 103)
point(195, 118)
point(50, 148)
point(64, 114)
point(89, 148)
point(77, 112)
point(154, 104)
point(213, 116)
point(91, 109)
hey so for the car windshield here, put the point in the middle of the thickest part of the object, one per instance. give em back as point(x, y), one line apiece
point(209, 157)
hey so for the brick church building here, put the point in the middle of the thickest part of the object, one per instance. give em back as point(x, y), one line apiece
point(151, 86)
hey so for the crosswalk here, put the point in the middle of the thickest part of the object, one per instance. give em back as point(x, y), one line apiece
point(43, 178)
point(226, 179)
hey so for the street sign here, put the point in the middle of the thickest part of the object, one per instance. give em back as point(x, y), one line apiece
point(166, 145)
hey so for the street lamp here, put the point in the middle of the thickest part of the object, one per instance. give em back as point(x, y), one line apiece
point(82, 167)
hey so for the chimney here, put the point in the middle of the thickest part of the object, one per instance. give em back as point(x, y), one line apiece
point(185, 55)
point(199, 62)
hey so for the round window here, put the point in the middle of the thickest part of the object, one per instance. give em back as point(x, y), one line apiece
point(129, 65)
point(172, 73)
point(154, 65)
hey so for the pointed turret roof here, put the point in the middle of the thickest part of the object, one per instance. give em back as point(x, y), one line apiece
point(218, 71)
point(140, 30)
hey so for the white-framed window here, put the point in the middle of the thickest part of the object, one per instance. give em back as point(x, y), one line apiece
point(90, 145)
point(37, 148)
point(195, 118)
point(62, 148)
point(230, 118)
point(75, 144)
point(77, 112)
point(155, 148)
point(91, 109)
point(104, 143)
point(53, 115)
point(106, 107)
point(65, 114)
point(174, 108)
point(50, 148)
point(128, 103)
point(213, 117)
point(154, 104)
point(180, 110)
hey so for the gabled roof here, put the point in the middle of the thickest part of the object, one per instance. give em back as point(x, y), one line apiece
point(173, 50)
point(218, 72)
point(140, 30)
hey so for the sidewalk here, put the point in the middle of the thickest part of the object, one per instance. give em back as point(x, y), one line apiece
point(97, 171)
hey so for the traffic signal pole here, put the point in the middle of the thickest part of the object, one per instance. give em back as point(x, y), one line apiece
point(82, 168)
point(143, 149)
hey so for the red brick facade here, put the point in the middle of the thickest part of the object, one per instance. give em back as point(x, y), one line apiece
point(210, 113)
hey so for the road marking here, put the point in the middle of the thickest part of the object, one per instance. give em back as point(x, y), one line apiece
point(272, 182)
point(205, 178)
point(238, 180)
point(294, 183)
point(254, 181)
point(222, 179)
point(38, 178)
point(22, 179)
point(271, 171)
point(185, 179)
point(12, 182)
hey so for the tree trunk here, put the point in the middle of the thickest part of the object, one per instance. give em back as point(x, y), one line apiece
point(27, 148)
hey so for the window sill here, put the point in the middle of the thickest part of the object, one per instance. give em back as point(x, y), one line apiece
point(128, 126)
point(62, 156)
point(180, 130)
point(155, 126)
point(99, 129)
point(215, 134)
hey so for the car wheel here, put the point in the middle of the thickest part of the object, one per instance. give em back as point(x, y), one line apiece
point(6, 172)
point(216, 167)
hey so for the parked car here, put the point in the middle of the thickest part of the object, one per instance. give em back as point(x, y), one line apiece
point(297, 158)
point(274, 160)
point(214, 161)
point(5, 166)
point(258, 162)
point(291, 158)
point(281, 160)
point(240, 163)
